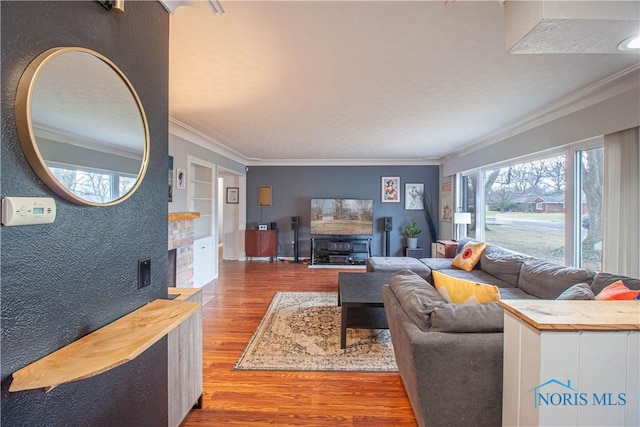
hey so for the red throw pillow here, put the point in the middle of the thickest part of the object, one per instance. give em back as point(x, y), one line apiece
point(617, 291)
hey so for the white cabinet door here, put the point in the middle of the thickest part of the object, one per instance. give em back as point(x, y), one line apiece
point(203, 261)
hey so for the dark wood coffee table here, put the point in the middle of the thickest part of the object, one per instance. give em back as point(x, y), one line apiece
point(360, 295)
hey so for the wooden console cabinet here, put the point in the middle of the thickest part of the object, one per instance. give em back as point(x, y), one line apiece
point(446, 248)
point(261, 243)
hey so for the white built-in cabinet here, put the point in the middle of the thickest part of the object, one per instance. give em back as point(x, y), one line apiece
point(203, 261)
point(202, 184)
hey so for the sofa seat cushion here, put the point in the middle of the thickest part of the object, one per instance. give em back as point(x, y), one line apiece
point(502, 263)
point(466, 318)
point(515, 293)
point(393, 264)
point(416, 296)
point(478, 276)
point(547, 281)
point(602, 280)
point(437, 263)
point(460, 291)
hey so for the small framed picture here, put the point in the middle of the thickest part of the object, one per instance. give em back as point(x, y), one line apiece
point(180, 179)
point(413, 196)
point(171, 178)
point(233, 195)
point(390, 189)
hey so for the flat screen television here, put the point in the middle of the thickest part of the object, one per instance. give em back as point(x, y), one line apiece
point(342, 217)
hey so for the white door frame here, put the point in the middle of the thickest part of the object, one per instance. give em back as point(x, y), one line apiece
point(234, 214)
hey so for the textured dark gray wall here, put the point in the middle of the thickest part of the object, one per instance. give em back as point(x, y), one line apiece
point(293, 187)
point(63, 280)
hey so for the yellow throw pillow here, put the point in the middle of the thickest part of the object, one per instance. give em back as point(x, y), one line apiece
point(461, 291)
point(469, 256)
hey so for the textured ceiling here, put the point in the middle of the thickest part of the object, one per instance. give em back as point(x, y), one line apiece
point(299, 81)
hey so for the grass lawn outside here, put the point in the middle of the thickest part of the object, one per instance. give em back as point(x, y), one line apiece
point(537, 241)
point(542, 243)
point(530, 216)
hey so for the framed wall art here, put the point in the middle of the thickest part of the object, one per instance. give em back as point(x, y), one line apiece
point(180, 180)
point(390, 189)
point(171, 178)
point(446, 202)
point(233, 194)
point(413, 196)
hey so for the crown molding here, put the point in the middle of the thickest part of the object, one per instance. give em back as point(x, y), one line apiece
point(194, 136)
point(343, 162)
point(606, 88)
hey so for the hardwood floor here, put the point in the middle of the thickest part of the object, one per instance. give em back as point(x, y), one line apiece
point(240, 297)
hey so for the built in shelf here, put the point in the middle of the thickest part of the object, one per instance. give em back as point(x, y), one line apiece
point(180, 216)
point(106, 348)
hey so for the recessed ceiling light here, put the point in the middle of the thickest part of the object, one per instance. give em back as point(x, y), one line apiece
point(630, 43)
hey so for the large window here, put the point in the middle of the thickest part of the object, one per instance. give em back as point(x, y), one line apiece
point(548, 206)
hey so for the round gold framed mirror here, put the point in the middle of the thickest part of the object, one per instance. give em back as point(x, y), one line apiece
point(82, 126)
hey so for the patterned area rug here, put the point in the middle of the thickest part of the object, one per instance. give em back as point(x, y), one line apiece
point(301, 332)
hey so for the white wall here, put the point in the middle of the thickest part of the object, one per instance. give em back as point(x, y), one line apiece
point(607, 108)
point(183, 143)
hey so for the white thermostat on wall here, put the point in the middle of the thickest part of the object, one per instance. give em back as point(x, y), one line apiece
point(28, 210)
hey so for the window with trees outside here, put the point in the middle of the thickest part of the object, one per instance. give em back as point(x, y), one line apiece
point(529, 208)
point(99, 186)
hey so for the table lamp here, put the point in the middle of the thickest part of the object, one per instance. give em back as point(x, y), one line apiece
point(460, 218)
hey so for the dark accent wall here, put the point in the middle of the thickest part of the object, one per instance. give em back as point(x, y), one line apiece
point(63, 280)
point(294, 186)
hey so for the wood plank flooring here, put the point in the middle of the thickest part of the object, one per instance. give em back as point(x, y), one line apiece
point(240, 297)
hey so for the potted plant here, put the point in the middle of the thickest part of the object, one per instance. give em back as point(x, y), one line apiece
point(411, 231)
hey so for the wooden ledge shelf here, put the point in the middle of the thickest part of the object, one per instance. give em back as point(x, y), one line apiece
point(180, 216)
point(106, 348)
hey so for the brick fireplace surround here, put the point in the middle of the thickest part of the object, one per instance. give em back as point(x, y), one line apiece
point(181, 239)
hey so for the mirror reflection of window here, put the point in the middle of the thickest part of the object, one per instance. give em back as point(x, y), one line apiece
point(95, 186)
point(84, 132)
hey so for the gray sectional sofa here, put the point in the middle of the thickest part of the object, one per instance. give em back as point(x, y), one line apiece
point(450, 356)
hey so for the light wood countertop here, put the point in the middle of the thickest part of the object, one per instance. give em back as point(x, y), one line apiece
point(183, 293)
point(106, 348)
point(576, 315)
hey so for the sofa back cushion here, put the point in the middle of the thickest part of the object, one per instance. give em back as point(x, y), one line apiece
point(546, 280)
point(463, 318)
point(579, 291)
point(416, 296)
point(502, 263)
point(602, 280)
